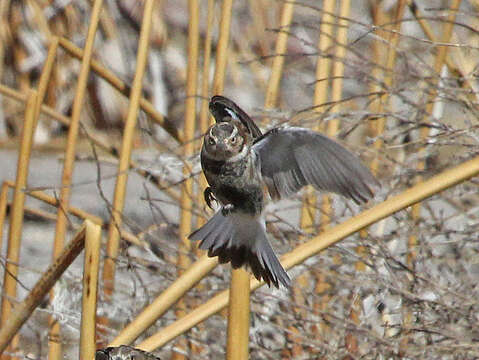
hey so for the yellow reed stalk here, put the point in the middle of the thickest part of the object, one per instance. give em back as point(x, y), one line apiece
point(413, 195)
point(125, 154)
point(82, 214)
point(40, 195)
point(321, 93)
point(186, 203)
point(259, 25)
point(124, 88)
point(16, 217)
point(238, 316)
point(393, 40)
point(438, 64)
point(222, 47)
point(23, 310)
point(165, 300)
point(21, 97)
point(45, 76)
point(204, 113)
point(40, 213)
point(204, 122)
point(3, 209)
point(78, 102)
point(426, 28)
point(96, 140)
point(278, 61)
point(91, 267)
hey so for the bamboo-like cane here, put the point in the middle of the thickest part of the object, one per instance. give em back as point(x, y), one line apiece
point(113, 240)
point(3, 209)
point(16, 218)
point(204, 119)
point(77, 107)
point(23, 310)
point(278, 60)
point(186, 203)
point(385, 77)
point(40, 195)
point(91, 268)
point(239, 308)
point(238, 316)
point(426, 28)
point(122, 87)
point(165, 300)
point(21, 97)
point(438, 64)
point(321, 93)
point(222, 47)
point(97, 141)
point(82, 214)
point(204, 122)
point(413, 195)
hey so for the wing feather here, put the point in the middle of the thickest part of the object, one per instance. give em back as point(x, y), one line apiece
point(290, 158)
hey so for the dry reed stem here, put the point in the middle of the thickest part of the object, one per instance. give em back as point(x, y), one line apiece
point(204, 118)
point(40, 195)
point(321, 94)
point(91, 267)
point(82, 214)
point(113, 241)
point(122, 87)
point(97, 141)
point(423, 23)
point(24, 309)
point(415, 194)
point(238, 316)
point(222, 47)
point(336, 90)
point(278, 61)
point(9, 290)
point(3, 209)
point(438, 64)
point(187, 195)
point(165, 300)
point(204, 122)
point(68, 164)
point(45, 77)
point(21, 97)
point(383, 102)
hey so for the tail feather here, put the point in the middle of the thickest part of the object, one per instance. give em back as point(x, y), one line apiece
point(241, 239)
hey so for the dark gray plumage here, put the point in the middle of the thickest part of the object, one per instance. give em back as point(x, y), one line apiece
point(239, 162)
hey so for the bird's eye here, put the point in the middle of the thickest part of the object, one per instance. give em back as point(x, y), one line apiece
point(211, 141)
point(233, 139)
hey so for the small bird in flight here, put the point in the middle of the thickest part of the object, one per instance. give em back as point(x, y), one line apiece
point(243, 166)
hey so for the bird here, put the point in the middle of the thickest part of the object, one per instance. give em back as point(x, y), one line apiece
point(245, 169)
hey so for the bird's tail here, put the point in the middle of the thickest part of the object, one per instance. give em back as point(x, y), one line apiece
point(241, 239)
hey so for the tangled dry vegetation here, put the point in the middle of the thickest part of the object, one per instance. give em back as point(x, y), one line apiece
point(396, 81)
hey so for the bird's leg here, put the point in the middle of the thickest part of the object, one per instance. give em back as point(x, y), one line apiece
point(227, 209)
point(209, 197)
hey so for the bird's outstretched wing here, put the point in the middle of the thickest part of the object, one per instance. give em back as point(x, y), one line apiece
point(223, 109)
point(290, 158)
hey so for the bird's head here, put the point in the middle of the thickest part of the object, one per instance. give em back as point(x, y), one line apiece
point(225, 141)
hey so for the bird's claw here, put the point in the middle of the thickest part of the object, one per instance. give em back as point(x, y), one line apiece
point(209, 197)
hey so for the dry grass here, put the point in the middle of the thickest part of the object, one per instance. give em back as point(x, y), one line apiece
point(395, 81)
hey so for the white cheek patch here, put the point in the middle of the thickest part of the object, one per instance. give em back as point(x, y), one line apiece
point(239, 155)
point(232, 113)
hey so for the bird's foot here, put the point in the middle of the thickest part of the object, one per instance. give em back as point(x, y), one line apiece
point(209, 197)
point(227, 209)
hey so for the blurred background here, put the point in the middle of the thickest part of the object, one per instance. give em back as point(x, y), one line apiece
point(394, 81)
